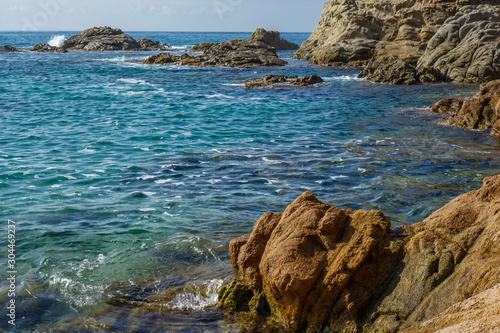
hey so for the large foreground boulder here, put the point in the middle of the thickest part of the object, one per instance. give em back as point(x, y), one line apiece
point(481, 112)
point(466, 47)
point(272, 38)
point(101, 39)
point(316, 259)
point(321, 268)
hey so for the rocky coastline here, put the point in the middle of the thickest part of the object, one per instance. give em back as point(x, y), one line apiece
point(319, 268)
point(407, 42)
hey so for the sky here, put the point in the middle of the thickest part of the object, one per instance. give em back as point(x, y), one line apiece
point(160, 15)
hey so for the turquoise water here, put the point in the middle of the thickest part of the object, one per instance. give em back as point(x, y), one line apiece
point(115, 172)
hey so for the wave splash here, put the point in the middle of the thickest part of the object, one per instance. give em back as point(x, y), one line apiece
point(57, 40)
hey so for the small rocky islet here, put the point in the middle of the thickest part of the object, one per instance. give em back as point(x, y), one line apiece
point(102, 39)
point(258, 51)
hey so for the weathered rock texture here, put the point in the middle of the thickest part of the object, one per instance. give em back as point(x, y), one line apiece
point(234, 53)
point(101, 39)
point(41, 47)
point(7, 48)
point(161, 58)
point(271, 80)
point(481, 112)
point(272, 38)
point(310, 260)
point(467, 47)
point(390, 36)
point(325, 268)
point(349, 31)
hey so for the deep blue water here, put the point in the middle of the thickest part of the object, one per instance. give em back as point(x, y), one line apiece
point(118, 171)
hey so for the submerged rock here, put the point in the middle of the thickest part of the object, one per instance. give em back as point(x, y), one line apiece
point(283, 81)
point(272, 38)
point(101, 39)
point(323, 268)
point(481, 112)
point(466, 47)
point(7, 48)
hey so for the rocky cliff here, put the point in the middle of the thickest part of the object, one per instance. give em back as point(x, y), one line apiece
point(317, 267)
point(390, 38)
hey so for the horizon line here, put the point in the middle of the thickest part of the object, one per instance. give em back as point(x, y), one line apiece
point(299, 32)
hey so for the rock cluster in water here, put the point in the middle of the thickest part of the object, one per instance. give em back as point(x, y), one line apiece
point(234, 53)
point(481, 112)
point(102, 39)
point(316, 267)
point(405, 42)
point(259, 50)
point(283, 81)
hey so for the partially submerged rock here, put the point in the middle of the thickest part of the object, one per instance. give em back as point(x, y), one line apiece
point(160, 59)
point(7, 48)
point(272, 38)
point(42, 47)
point(151, 45)
point(284, 81)
point(481, 112)
point(325, 268)
point(234, 53)
point(101, 39)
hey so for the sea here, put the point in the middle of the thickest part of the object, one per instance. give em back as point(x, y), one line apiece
point(122, 184)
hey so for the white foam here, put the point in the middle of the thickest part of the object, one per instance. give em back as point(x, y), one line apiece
point(133, 93)
point(338, 177)
point(344, 78)
point(146, 177)
point(135, 81)
point(163, 181)
point(183, 47)
point(147, 209)
point(219, 96)
point(204, 296)
point(57, 40)
point(233, 84)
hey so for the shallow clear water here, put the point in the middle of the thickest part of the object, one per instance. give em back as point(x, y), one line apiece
point(116, 171)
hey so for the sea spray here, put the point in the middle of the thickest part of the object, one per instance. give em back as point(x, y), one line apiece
point(57, 41)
